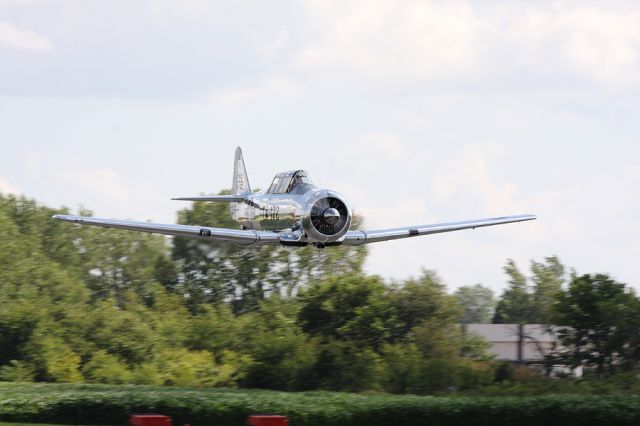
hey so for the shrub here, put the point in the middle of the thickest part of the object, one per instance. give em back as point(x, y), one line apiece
point(17, 371)
point(104, 404)
point(106, 368)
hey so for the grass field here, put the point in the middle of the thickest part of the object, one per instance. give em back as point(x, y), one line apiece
point(111, 405)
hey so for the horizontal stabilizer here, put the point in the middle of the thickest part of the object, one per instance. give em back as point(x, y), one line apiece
point(219, 198)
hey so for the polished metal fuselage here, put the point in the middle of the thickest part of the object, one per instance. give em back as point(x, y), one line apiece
point(279, 212)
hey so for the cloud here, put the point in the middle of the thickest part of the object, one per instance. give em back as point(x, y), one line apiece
point(377, 145)
point(7, 188)
point(21, 2)
point(390, 39)
point(33, 164)
point(110, 194)
point(599, 43)
point(234, 97)
point(397, 43)
point(575, 210)
point(278, 43)
point(21, 39)
point(387, 214)
point(469, 172)
point(570, 213)
point(105, 182)
point(268, 87)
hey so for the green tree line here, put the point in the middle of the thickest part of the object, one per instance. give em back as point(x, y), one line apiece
point(83, 304)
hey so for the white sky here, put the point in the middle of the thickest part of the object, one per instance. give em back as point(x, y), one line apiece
point(417, 111)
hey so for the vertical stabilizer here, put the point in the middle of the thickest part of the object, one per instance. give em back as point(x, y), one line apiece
point(240, 184)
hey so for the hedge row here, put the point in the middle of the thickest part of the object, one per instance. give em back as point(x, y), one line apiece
point(111, 405)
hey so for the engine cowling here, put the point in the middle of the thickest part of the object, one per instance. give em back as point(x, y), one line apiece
point(327, 219)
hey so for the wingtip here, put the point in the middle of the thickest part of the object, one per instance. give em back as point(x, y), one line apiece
point(69, 218)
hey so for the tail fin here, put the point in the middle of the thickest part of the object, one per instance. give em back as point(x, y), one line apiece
point(240, 184)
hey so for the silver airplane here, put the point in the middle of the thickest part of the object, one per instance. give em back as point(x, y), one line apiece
point(292, 211)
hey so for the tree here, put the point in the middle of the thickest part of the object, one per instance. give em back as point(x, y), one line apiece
point(515, 305)
point(548, 278)
point(602, 319)
point(477, 304)
point(353, 307)
point(417, 300)
point(347, 366)
point(427, 316)
point(522, 303)
point(117, 262)
point(402, 363)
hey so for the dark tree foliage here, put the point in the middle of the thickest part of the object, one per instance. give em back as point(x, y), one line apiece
point(354, 308)
point(603, 323)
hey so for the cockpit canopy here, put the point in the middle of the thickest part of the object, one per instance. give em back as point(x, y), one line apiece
point(284, 182)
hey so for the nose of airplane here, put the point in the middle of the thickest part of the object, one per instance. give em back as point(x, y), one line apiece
point(331, 216)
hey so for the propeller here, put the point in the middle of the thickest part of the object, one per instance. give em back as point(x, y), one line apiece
point(329, 215)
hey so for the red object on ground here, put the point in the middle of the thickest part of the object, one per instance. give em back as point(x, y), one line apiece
point(268, 421)
point(149, 420)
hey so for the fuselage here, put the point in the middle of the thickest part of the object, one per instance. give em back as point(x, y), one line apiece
point(279, 212)
point(293, 203)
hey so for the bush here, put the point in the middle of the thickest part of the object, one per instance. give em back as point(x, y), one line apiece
point(505, 371)
point(106, 368)
point(104, 404)
point(16, 371)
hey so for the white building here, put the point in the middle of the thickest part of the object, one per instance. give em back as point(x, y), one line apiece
point(528, 343)
point(524, 344)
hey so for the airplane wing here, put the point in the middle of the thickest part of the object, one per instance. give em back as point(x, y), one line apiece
point(221, 198)
point(237, 236)
point(356, 238)
point(252, 237)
